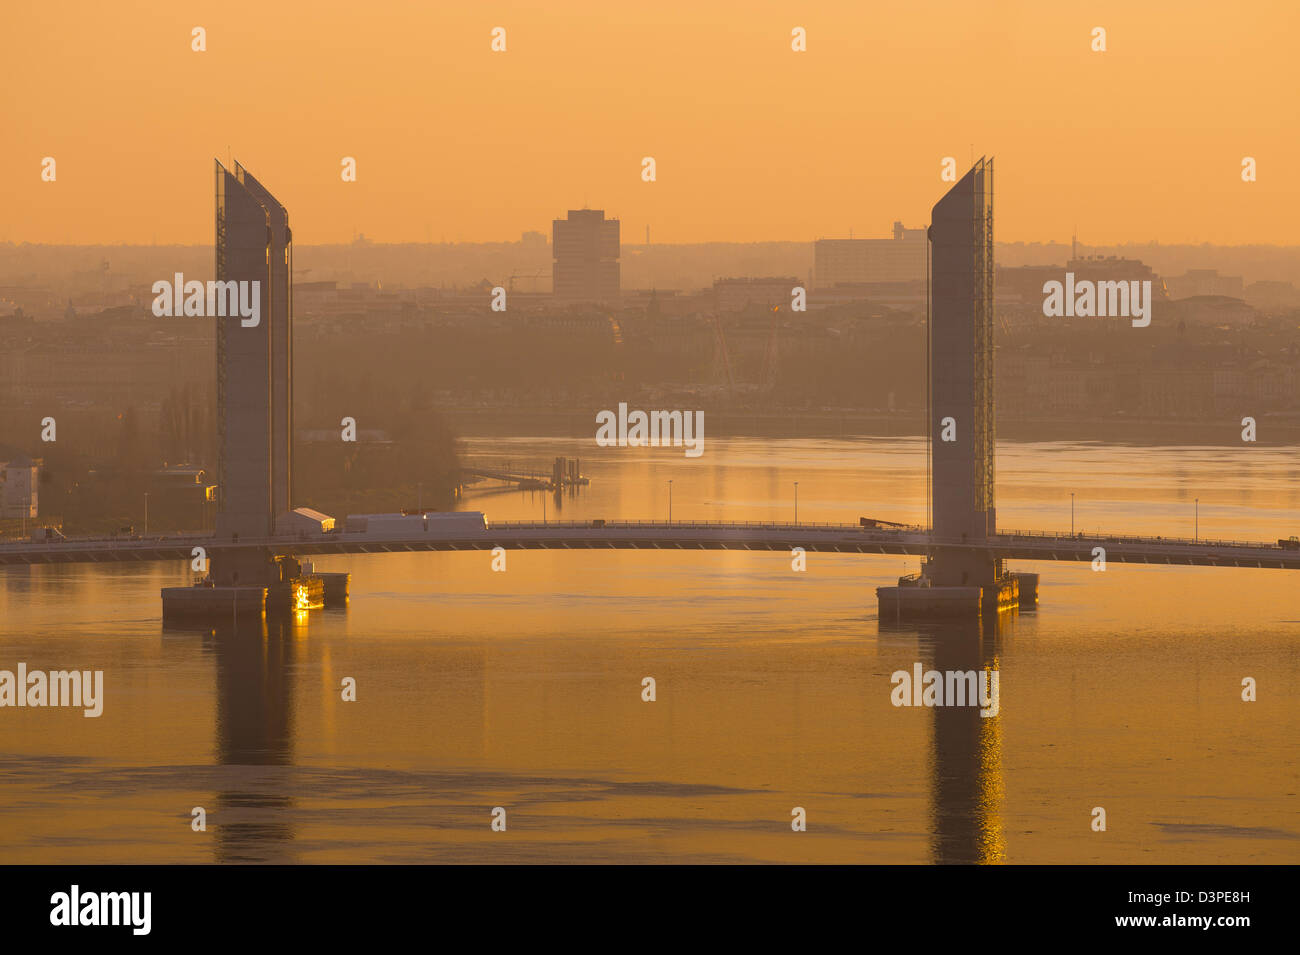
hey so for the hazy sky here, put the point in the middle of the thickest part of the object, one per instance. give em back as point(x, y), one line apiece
point(752, 141)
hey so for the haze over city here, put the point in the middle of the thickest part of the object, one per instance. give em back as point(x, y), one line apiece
point(455, 142)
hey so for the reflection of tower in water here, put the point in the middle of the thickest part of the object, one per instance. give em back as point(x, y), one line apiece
point(967, 787)
point(251, 819)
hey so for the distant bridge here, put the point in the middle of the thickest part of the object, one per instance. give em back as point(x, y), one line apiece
point(681, 535)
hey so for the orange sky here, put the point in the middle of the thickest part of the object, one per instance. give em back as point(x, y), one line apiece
point(753, 141)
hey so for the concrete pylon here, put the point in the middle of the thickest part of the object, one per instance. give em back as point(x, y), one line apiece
point(254, 382)
point(959, 575)
point(962, 432)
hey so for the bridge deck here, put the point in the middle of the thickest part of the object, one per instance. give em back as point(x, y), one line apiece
point(682, 535)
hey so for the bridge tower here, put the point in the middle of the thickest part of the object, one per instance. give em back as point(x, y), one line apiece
point(962, 433)
point(254, 259)
point(254, 378)
point(961, 411)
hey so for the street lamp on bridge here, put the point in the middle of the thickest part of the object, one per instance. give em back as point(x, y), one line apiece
point(670, 500)
point(796, 502)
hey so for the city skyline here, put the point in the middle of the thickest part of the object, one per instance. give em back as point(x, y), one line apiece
point(455, 142)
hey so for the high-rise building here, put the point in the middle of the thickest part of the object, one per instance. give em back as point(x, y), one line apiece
point(855, 261)
point(586, 250)
point(961, 360)
point(254, 361)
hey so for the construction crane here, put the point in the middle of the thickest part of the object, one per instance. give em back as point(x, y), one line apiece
point(510, 282)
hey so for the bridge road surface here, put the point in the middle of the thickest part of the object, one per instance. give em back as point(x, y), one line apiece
point(689, 535)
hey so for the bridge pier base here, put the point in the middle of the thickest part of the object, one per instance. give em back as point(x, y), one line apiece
point(956, 583)
point(253, 581)
point(243, 566)
point(212, 603)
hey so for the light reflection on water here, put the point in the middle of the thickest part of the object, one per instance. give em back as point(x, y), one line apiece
point(523, 689)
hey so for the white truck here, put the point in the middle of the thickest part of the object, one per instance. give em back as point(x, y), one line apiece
point(414, 526)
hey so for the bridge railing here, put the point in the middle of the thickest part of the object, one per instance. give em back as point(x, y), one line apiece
point(1005, 536)
point(1103, 538)
point(138, 541)
point(802, 525)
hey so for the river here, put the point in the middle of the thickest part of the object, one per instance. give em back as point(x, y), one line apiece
point(522, 688)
